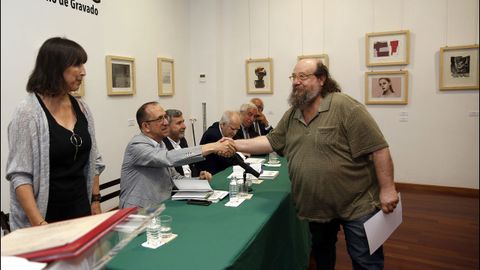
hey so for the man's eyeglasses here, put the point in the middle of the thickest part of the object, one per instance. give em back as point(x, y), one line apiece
point(301, 77)
point(161, 118)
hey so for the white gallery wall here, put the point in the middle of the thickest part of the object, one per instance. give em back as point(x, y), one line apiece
point(438, 145)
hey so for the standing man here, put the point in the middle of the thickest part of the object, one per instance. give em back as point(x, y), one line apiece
point(261, 124)
point(228, 126)
point(176, 140)
point(339, 164)
point(248, 112)
point(147, 173)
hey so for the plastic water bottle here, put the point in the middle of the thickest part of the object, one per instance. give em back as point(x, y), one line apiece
point(153, 232)
point(233, 190)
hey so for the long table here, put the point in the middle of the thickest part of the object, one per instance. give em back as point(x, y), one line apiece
point(262, 233)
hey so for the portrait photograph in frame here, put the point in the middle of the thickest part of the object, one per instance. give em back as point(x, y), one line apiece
point(321, 57)
point(386, 87)
point(81, 90)
point(459, 68)
point(120, 75)
point(166, 76)
point(259, 76)
point(387, 48)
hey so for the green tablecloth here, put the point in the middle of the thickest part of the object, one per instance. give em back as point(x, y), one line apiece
point(262, 233)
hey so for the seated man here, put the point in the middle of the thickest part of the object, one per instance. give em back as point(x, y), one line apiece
point(147, 169)
point(176, 140)
point(228, 126)
point(248, 111)
point(261, 123)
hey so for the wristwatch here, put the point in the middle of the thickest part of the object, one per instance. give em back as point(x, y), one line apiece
point(96, 197)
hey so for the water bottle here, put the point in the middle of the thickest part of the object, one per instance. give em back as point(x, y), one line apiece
point(233, 190)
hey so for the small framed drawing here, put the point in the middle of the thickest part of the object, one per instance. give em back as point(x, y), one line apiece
point(387, 48)
point(80, 91)
point(386, 87)
point(120, 75)
point(166, 76)
point(459, 68)
point(322, 57)
point(259, 76)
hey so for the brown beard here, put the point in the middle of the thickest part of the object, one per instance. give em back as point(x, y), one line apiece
point(301, 99)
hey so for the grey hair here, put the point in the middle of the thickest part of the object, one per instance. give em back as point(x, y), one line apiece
point(173, 113)
point(227, 117)
point(247, 106)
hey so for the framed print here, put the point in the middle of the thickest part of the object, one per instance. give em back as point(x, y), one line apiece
point(259, 76)
point(321, 57)
point(386, 87)
point(81, 90)
point(120, 75)
point(165, 76)
point(459, 68)
point(387, 48)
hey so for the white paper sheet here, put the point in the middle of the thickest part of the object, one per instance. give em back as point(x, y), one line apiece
point(15, 263)
point(379, 227)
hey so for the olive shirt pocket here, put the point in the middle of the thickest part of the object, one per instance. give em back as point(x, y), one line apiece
point(326, 136)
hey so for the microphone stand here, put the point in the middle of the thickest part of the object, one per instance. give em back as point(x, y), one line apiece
point(193, 120)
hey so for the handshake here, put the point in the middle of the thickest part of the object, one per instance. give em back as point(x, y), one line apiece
point(225, 147)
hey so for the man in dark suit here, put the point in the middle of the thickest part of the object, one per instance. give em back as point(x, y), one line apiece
point(176, 140)
point(261, 124)
point(228, 126)
point(248, 111)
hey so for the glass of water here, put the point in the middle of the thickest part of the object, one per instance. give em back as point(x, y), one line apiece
point(165, 226)
point(273, 158)
point(153, 232)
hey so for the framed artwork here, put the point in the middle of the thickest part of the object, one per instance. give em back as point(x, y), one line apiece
point(321, 57)
point(459, 68)
point(387, 48)
point(81, 90)
point(386, 87)
point(165, 76)
point(120, 75)
point(259, 76)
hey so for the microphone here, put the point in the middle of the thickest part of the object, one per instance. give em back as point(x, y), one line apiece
point(237, 160)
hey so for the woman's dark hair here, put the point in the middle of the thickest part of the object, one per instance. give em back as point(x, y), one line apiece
point(330, 85)
point(54, 57)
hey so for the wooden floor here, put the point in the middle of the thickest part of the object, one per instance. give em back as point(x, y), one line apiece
point(438, 232)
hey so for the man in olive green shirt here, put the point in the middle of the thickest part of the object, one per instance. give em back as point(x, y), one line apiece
point(339, 164)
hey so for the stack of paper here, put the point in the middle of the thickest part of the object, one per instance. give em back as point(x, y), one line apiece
point(268, 175)
point(251, 160)
point(192, 189)
point(264, 175)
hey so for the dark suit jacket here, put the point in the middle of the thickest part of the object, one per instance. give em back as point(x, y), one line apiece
point(213, 163)
point(251, 130)
point(263, 129)
point(179, 169)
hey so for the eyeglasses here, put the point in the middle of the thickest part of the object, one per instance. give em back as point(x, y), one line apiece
point(77, 141)
point(161, 118)
point(301, 77)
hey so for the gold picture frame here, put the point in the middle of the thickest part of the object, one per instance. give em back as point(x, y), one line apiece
point(166, 76)
point(386, 87)
point(120, 75)
point(321, 57)
point(459, 68)
point(387, 48)
point(259, 76)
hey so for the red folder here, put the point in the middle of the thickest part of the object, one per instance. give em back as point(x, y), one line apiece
point(80, 245)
